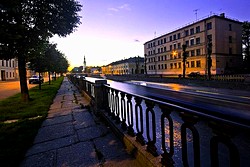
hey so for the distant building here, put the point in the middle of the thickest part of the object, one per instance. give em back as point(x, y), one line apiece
point(8, 69)
point(133, 65)
point(163, 55)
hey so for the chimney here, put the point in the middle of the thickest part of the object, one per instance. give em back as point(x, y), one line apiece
point(222, 15)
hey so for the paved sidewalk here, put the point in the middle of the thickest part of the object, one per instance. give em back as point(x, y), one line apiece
point(71, 136)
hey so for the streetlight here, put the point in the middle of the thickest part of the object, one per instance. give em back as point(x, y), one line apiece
point(209, 59)
point(184, 47)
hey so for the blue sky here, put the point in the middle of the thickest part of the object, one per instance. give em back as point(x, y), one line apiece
point(112, 30)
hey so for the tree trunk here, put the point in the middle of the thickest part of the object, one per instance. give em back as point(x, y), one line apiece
point(39, 76)
point(49, 77)
point(23, 78)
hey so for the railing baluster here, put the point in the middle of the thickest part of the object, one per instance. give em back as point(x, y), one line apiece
point(139, 121)
point(112, 103)
point(189, 121)
point(223, 133)
point(123, 111)
point(151, 141)
point(130, 115)
point(167, 159)
point(117, 107)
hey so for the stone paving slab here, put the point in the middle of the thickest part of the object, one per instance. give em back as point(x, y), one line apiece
point(54, 132)
point(57, 120)
point(52, 145)
point(80, 154)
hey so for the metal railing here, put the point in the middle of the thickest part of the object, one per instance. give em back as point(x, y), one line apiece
point(179, 135)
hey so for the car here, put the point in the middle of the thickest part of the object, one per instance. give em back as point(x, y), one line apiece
point(194, 74)
point(36, 80)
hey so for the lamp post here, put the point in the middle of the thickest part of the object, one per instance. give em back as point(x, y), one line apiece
point(184, 54)
point(209, 59)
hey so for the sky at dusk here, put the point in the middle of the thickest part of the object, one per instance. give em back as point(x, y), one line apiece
point(112, 30)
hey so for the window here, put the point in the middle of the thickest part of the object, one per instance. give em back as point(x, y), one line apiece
point(10, 74)
point(6, 63)
point(171, 65)
point(187, 43)
point(191, 42)
point(198, 63)
point(158, 42)
point(174, 46)
point(170, 47)
point(13, 63)
point(179, 35)
point(179, 65)
point(165, 40)
point(198, 41)
point(209, 26)
point(186, 32)
point(158, 50)
point(165, 66)
point(179, 45)
point(192, 53)
point(230, 27)
point(162, 66)
point(198, 52)
point(159, 66)
point(161, 41)
point(161, 50)
point(3, 63)
point(187, 65)
point(174, 36)
point(191, 31)
point(192, 64)
point(153, 43)
point(165, 49)
point(175, 65)
point(7, 75)
point(197, 29)
point(209, 38)
point(159, 58)
point(10, 63)
point(13, 74)
point(230, 39)
point(170, 38)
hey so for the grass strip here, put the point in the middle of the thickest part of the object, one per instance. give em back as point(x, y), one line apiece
point(17, 137)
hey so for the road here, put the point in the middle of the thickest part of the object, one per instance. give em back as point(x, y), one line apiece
point(10, 88)
point(226, 104)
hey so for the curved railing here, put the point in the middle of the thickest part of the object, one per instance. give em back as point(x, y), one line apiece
point(181, 135)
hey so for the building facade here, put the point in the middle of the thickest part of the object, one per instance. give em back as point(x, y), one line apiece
point(133, 65)
point(8, 69)
point(163, 55)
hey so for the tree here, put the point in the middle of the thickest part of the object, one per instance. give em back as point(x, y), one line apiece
point(246, 44)
point(27, 24)
point(184, 58)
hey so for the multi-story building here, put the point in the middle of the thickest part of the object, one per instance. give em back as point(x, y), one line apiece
point(164, 54)
point(133, 65)
point(8, 69)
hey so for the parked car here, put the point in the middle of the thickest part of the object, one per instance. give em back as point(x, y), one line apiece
point(36, 80)
point(194, 74)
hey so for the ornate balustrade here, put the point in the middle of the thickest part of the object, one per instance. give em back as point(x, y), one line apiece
point(178, 135)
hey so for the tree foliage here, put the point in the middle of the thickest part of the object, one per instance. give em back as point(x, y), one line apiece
point(246, 44)
point(25, 25)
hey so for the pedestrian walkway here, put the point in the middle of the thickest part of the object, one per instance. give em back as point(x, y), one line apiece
point(71, 136)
